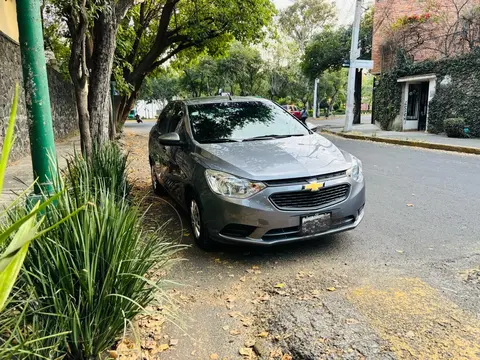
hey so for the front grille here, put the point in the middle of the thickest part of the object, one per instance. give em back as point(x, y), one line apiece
point(237, 230)
point(318, 178)
point(299, 200)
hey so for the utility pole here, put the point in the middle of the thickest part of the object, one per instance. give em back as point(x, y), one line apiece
point(315, 105)
point(37, 97)
point(354, 55)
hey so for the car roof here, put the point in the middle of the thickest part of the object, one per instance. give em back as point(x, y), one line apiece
point(221, 99)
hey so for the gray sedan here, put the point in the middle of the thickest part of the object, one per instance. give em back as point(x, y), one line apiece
point(249, 172)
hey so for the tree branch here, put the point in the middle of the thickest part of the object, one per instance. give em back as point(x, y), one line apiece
point(159, 44)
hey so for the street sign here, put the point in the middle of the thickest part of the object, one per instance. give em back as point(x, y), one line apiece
point(364, 64)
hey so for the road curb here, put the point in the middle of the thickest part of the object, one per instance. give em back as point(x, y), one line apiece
point(419, 144)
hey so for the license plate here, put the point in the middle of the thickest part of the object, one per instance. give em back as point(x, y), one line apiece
point(316, 224)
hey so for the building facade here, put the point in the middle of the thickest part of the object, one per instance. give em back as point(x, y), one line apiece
point(421, 30)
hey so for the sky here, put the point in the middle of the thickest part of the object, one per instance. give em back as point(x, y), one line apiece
point(345, 9)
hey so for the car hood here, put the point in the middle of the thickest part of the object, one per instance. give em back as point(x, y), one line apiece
point(292, 157)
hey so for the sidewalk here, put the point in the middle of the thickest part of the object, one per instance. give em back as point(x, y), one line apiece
point(371, 132)
point(20, 172)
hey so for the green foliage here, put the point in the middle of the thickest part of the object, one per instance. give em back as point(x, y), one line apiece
point(92, 274)
point(92, 271)
point(106, 169)
point(196, 28)
point(366, 34)
point(327, 51)
point(300, 19)
point(163, 87)
point(457, 91)
point(332, 87)
point(454, 127)
point(387, 99)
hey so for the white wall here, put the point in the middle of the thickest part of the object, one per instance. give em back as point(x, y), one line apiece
point(148, 110)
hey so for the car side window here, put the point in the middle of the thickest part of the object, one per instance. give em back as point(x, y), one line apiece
point(175, 117)
point(164, 119)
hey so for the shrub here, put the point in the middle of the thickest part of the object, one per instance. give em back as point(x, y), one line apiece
point(454, 127)
point(107, 168)
point(94, 270)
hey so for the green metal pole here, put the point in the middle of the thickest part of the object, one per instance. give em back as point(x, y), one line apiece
point(37, 97)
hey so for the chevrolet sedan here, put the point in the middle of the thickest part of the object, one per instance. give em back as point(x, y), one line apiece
point(247, 171)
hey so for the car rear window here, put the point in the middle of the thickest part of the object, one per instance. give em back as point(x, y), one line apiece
point(241, 120)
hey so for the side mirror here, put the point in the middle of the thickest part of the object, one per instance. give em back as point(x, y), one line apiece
point(170, 139)
point(312, 127)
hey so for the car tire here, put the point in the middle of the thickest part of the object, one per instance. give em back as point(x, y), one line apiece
point(199, 230)
point(157, 188)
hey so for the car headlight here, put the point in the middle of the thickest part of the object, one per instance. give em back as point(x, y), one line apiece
point(229, 185)
point(356, 171)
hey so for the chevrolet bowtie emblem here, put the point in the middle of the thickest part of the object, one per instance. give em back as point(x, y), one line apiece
point(315, 186)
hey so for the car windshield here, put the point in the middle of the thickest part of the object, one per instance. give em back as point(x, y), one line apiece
point(239, 121)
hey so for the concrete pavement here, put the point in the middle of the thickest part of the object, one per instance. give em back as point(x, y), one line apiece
point(19, 173)
point(368, 131)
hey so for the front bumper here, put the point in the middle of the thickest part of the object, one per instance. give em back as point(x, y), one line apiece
point(271, 226)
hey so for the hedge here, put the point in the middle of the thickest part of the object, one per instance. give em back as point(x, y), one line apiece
point(457, 92)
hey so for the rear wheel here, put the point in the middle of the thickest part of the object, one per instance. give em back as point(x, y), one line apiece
point(199, 231)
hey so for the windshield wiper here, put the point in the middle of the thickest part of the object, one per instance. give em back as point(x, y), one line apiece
point(216, 141)
point(268, 137)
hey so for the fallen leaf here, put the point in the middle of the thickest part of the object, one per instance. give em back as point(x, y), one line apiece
point(113, 354)
point(234, 332)
point(173, 342)
point(279, 286)
point(264, 297)
point(213, 356)
point(246, 322)
point(163, 347)
point(331, 288)
point(410, 334)
point(263, 334)
point(246, 351)
point(249, 342)
point(286, 357)
point(235, 314)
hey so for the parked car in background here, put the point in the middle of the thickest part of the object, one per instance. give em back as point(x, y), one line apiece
point(292, 109)
point(132, 114)
point(248, 172)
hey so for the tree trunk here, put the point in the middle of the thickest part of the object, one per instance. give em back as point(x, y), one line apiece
point(112, 129)
point(102, 61)
point(357, 113)
point(81, 96)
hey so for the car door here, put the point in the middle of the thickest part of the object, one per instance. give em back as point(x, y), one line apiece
point(170, 172)
point(182, 164)
point(158, 152)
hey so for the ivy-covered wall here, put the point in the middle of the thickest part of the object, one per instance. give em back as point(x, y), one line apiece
point(457, 94)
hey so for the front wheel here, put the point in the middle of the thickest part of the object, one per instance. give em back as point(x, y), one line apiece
point(199, 231)
point(156, 186)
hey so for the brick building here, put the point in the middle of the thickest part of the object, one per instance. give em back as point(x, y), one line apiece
point(423, 30)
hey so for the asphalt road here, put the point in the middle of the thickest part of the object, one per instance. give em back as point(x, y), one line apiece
point(402, 275)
